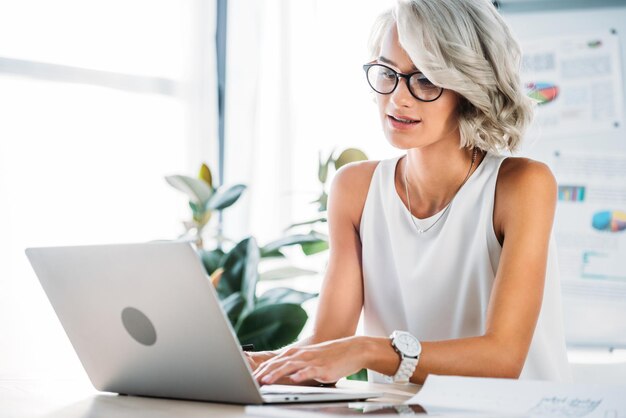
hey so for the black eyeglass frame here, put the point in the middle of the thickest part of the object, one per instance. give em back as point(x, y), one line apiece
point(407, 77)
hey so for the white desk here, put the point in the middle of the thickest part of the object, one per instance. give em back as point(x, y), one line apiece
point(74, 399)
point(598, 365)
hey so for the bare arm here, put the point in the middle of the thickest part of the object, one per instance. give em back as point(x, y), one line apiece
point(341, 298)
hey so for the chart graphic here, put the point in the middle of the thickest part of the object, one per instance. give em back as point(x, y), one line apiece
point(572, 193)
point(609, 220)
point(543, 93)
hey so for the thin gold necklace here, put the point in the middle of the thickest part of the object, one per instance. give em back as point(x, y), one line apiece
point(408, 197)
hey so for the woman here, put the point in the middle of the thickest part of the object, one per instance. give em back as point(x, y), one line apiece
point(447, 249)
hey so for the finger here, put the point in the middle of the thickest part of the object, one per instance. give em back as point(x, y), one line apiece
point(306, 373)
point(284, 370)
point(248, 358)
point(316, 375)
point(265, 367)
point(256, 359)
point(252, 363)
point(270, 365)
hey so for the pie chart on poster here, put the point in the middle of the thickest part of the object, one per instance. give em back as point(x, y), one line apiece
point(609, 220)
point(542, 92)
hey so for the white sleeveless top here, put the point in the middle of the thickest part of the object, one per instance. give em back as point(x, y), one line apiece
point(437, 285)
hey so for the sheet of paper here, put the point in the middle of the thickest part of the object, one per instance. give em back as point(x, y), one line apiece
point(441, 394)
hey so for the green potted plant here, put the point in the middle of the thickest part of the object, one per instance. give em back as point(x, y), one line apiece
point(204, 200)
point(271, 320)
point(276, 317)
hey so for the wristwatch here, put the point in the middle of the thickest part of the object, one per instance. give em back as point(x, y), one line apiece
point(409, 349)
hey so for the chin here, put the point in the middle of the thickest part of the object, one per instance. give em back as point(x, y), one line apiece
point(402, 142)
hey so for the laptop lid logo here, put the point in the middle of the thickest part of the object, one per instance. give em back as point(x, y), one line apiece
point(139, 326)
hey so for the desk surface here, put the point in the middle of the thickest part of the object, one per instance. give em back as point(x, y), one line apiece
point(73, 399)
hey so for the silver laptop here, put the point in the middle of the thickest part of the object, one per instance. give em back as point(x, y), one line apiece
point(145, 320)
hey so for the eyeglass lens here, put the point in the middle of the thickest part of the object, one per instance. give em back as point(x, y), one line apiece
point(384, 80)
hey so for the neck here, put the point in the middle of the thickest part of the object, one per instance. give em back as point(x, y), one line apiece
point(435, 174)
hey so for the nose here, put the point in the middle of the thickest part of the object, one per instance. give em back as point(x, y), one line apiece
point(401, 96)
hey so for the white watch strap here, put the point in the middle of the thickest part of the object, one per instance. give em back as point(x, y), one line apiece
point(406, 369)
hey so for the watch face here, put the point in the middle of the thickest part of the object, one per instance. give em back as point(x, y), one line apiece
point(408, 345)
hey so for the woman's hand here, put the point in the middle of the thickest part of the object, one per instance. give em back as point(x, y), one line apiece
point(255, 359)
point(326, 362)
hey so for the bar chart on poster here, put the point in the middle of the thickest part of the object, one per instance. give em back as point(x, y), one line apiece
point(574, 70)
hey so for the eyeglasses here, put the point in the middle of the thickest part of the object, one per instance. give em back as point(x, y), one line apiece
point(384, 80)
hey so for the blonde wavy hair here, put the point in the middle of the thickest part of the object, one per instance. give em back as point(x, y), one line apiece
point(465, 46)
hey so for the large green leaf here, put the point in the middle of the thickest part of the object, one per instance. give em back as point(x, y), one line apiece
point(310, 248)
point(290, 240)
point(224, 197)
point(211, 259)
point(285, 273)
point(273, 253)
point(349, 155)
point(271, 327)
point(197, 190)
point(240, 265)
point(283, 295)
point(233, 306)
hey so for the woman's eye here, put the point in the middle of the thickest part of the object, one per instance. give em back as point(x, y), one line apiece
point(422, 82)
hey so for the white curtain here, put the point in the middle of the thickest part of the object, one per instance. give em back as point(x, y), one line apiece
point(294, 87)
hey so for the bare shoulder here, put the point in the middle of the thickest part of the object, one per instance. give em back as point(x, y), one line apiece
point(358, 174)
point(523, 177)
point(350, 187)
point(524, 188)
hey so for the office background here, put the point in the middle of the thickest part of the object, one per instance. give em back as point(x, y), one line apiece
point(99, 101)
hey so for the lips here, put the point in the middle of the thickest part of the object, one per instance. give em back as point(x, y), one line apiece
point(404, 119)
point(402, 123)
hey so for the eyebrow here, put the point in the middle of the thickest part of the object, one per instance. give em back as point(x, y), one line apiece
point(388, 61)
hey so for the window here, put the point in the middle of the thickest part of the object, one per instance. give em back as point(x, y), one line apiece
point(99, 101)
